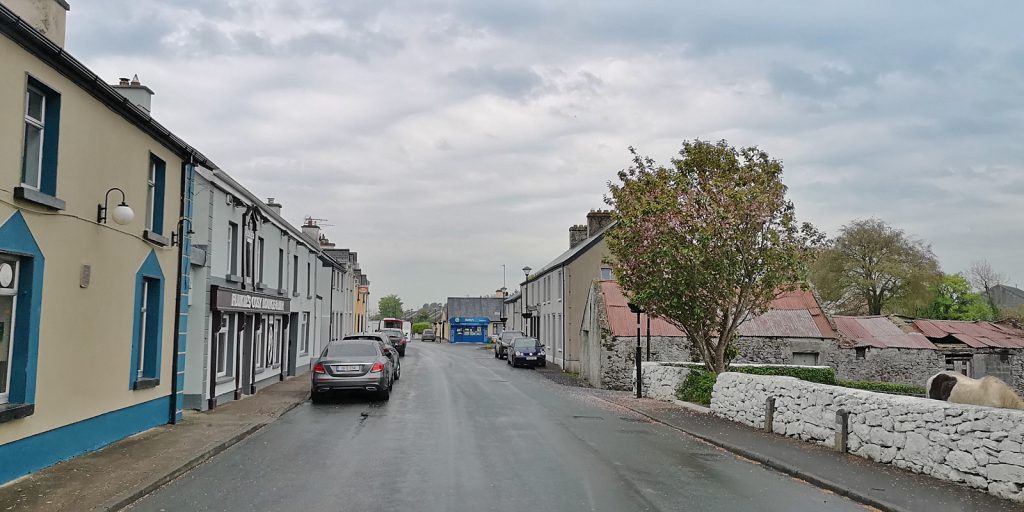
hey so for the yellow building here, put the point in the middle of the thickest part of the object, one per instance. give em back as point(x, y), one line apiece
point(90, 201)
point(362, 295)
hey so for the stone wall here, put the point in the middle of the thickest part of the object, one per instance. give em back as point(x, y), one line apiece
point(662, 380)
point(618, 357)
point(977, 446)
point(898, 365)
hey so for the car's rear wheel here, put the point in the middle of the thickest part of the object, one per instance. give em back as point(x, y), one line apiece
point(384, 394)
point(398, 372)
point(317, 397)
point(401, 353)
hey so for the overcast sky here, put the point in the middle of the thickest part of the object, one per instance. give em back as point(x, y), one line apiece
point(443, 139)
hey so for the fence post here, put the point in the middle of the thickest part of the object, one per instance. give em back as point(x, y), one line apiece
point(769, 414)
point(842, 430)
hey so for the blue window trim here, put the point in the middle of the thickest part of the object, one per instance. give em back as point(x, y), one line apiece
point(51, 137)
point(151, 271)
point(158, 193)
point(16, 238)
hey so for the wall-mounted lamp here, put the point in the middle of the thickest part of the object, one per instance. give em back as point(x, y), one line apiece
point(175, 239)
point(122, 214)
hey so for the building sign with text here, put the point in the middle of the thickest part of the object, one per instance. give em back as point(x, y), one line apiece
point(227, 299)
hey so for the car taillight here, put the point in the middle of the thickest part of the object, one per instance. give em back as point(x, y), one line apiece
point(377, 367)
point(319, 368)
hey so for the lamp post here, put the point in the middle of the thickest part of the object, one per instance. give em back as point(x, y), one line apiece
point(526, 301)
point(648, 337)
point(639, 377)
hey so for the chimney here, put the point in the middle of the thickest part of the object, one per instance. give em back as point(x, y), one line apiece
point(598, 219)
point(49, 17)
point(136, 93)
point(310, 228)
point(577, 234)
point(325, 243)
point(274, 205)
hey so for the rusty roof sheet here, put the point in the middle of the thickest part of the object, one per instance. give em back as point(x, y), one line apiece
point(794, 315)
point(879, 332)
point(972, 334)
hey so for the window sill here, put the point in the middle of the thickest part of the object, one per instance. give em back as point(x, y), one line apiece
point(41, 198)
point(309, 297)
point(11, 412)
point(282, 291)
point(233, 278)
point(155, 238)
point(225, 379)
point(261, 286)
point(295, 294)
point(146, 383)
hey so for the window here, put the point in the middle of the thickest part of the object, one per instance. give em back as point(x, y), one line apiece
point(280, 269)
point(260, 342)
point(304, 333)
point(295, 274)
point(8, 306)
point(309, 272)
point(225, 338)
point(862, 352)
point(232, 248)
point(260, 246)
point(39, 151)
point(247, 255)
point(147, 334)
point(606, 273)
point(271, 345)
point(155, 186)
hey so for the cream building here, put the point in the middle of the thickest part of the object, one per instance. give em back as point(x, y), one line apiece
point(88, 289)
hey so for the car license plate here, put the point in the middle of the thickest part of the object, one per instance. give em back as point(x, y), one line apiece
point(531, 358)
point(347, 368)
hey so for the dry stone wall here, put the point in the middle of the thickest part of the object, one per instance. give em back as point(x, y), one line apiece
point(977, 446)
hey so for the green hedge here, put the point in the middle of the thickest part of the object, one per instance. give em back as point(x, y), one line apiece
point(884, 387)
point(418, 327)
point(699, 383)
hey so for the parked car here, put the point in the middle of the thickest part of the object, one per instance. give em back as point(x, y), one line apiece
point(428, 335)
point(398, 339)
point(504, 341)
point(352, 365)
point(526, 352)
point(385, 346)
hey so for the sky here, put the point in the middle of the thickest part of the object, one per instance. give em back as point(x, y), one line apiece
point(442, 139)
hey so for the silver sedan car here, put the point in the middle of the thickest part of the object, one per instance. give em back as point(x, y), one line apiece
point(352, 365)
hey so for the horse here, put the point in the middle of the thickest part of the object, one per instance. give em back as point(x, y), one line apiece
point(987, 391)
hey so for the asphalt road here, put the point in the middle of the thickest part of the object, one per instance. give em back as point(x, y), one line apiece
point(465, 432)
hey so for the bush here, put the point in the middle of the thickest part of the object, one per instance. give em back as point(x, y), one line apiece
point(884, 387)
point(699, 382)
point(418, 327)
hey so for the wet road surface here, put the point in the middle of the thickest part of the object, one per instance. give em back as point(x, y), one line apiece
point(465, 432)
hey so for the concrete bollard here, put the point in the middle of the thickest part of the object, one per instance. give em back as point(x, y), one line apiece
point(842, 430)
point(769, 414)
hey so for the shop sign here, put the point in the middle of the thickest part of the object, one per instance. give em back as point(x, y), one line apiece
point(227, 299)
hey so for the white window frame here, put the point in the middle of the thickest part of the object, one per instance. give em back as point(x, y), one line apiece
point(260, 343)
point(223, 337)
point(151, 194)
point(41, 125)
point(13, 292)
point(232, 250)
point(304, 332)
point(143, 321)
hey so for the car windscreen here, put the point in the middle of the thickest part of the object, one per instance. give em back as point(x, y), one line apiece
point(524, 343)
point(351, 349)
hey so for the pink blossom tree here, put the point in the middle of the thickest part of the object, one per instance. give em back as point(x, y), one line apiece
point(707, 242)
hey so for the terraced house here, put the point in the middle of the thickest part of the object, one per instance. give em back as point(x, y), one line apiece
point(91, 193)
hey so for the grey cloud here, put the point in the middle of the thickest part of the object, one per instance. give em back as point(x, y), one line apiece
point(511, 82)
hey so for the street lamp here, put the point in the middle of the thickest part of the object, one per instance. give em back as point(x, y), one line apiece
point(526, 301)
point(122, 213)
point(639, 377)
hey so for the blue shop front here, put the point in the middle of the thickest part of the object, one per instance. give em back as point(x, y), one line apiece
point(469, 329)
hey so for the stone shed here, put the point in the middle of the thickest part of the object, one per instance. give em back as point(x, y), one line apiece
point(793, 331)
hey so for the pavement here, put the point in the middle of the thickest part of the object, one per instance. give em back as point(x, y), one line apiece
point(115, 476)
point(464, 431)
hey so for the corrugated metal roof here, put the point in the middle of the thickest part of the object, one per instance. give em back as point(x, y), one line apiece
point(879, 332)
point(797, 316)
point(972, 334)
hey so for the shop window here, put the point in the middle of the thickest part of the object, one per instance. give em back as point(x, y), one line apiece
point(8, 307)
point(148, 332)
point(21, 278)
point(225, 345)
point(39, 148)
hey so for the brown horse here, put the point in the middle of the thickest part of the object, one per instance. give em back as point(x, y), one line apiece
point(987, 391)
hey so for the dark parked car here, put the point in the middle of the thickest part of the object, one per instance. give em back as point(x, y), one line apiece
point(352, 365)
point(504, 341)
point(526, 352)
point(428, 335)
point(385, 346)
point(397, 337)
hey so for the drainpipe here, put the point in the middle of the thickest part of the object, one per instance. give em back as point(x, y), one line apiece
point(173, 407)
point(211, 402)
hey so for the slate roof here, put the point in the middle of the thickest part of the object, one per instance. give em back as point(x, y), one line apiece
point(793, 315)
point(489, 307)
point(972, 334)
point(567, 257)
point(879, 332)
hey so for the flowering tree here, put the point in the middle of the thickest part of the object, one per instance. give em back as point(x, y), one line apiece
point(707, 242)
